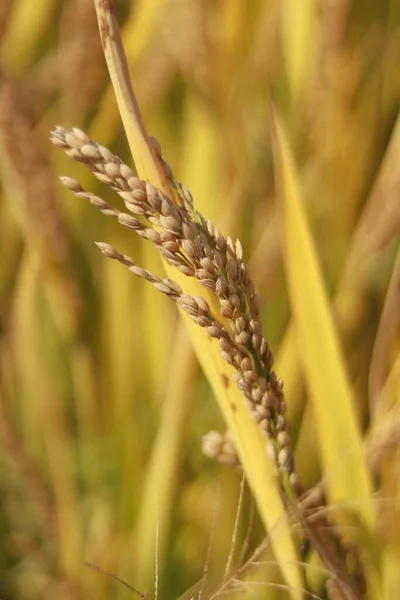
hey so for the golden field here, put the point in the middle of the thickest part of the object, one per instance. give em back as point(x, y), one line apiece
point(282, 119)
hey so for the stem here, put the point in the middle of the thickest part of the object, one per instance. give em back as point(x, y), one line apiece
point(147, 164)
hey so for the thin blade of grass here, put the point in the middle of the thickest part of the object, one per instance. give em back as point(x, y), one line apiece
point(201, 163)
point(27, 24)
point(163, 469)
point(391, 573)
point(330, 392)
point(298, 22)
point(383, 455)
point(387, 339)
point(45, 430)
point(389, 472)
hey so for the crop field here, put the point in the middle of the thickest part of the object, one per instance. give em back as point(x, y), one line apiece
point(199, 299)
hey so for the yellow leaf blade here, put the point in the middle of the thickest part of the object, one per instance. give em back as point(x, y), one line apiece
point(336, 425)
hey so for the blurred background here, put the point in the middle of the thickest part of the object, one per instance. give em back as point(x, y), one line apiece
point(102, 404)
